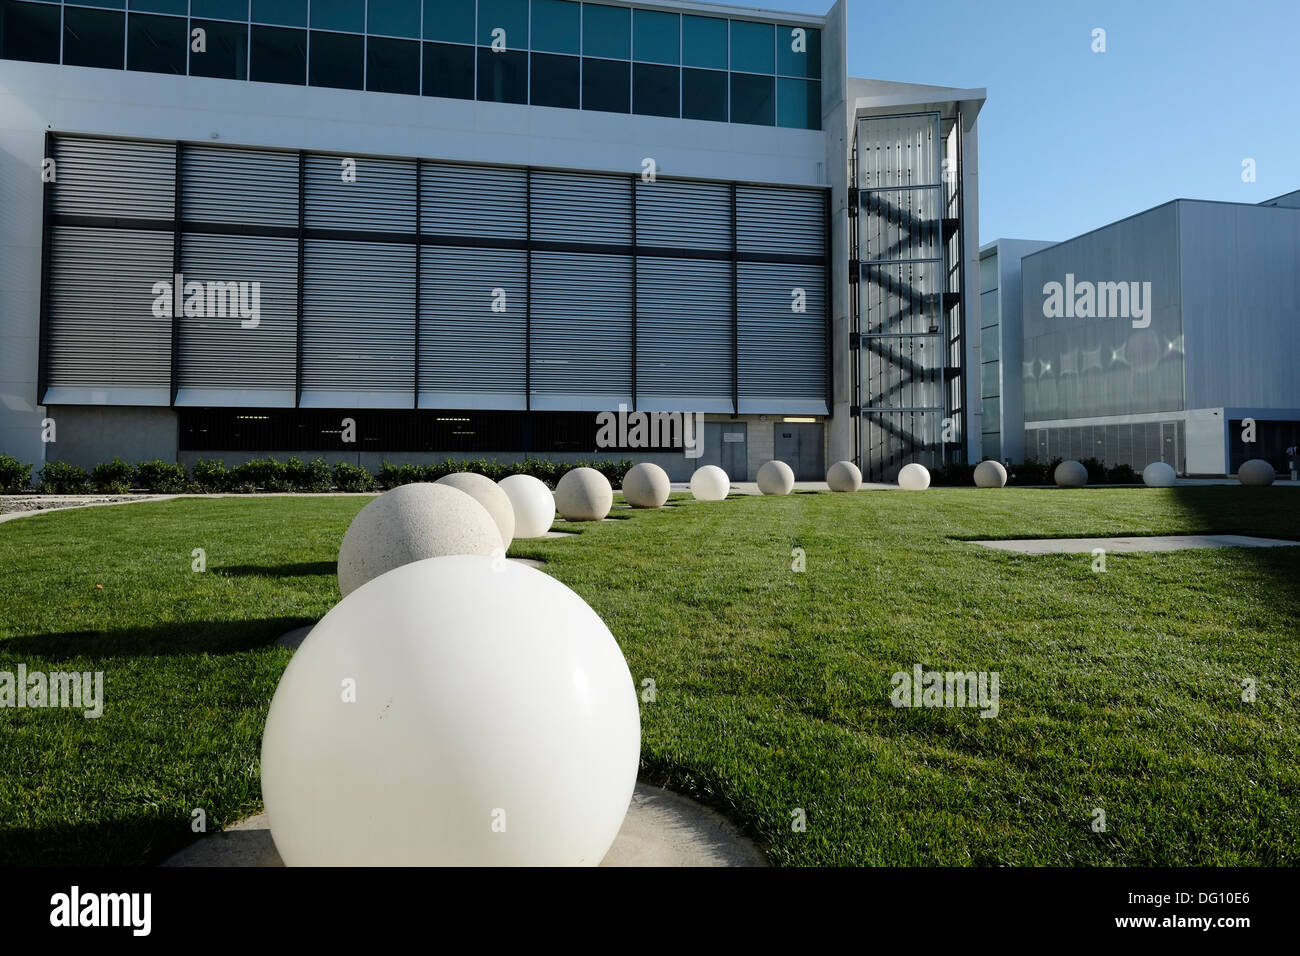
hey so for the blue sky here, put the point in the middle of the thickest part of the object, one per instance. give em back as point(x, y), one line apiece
point(1070, 139)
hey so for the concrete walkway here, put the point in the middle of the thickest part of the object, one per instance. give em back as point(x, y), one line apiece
point(1165, 542)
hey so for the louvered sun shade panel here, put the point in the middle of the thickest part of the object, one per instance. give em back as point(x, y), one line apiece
point(486, 201)
point(782, 352)
point(382, 197)
point(471, 356)
point(358, 324)
point(257, 187)
point(580, 207)
point(98, 177)
point(683, 214)
point(221, 360)
point(581, 331)
point(789, 221)
point(684, 335)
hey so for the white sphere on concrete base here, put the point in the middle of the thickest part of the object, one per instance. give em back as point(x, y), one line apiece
point(411, 523)
point(843, 476)
point(710, 483)
point(448, 755)
point(487, 493)
point(583, 494)
point(1070, 474)
point(775, 478)
point(990, 474)
point(1158, 475)
point(914, 477)
point(533, 504)
point(646, 485)
point(1257, 473)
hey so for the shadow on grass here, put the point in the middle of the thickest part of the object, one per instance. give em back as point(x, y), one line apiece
point(163, 640)
point(302, 570)
point(121, 841)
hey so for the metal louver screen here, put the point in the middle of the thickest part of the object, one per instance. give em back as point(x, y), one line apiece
point(381, 197)
point(580, 207)
point(782, 351)
point(252, 186)
point(683, 335)
point(683, 214)
point(789, 221)
point(488, 201)
point(101, 177)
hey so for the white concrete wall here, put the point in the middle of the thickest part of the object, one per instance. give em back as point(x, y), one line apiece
point(1207, 442)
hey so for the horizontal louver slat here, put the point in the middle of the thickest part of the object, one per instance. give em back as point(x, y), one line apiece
point(252, 186)
point(381, 198)
point(683, 328)
point(791, 221)
point(582, 325)
point(489, 201)
point(683, 215)
point(100, 177)
point(782, 352)
point(581, 207)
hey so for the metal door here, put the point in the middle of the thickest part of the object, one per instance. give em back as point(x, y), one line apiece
point(1169, 444)
point(726, 445)
point(799, 445)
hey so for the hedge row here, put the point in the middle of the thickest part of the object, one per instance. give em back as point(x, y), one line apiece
point(268, 474)
point(1034, 472)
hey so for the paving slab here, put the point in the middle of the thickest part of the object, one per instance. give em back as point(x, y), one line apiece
point(1165, 542)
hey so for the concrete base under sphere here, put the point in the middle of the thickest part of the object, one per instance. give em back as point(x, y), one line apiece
point(990, 474)
point(844, 476)
point(646, 485)
point(776, 478)
point(1070, 474)
point(583, 494)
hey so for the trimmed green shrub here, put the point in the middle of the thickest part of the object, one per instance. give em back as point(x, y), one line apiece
point(312, 476)
point(265, 474)
point(210, 475)
point(160, 477)
point(1123, 475)
point(352, 478)
point(113, 477)
point(60, 478)
point(390, 476)
point(953, 474)
point(15, 475)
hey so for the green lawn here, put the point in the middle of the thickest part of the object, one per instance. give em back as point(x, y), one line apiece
point(1119, 691)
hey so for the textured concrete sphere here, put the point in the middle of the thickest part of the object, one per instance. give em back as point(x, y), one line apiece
point(1158, 475)
point(489, 494)
point(914, 477)
point(844, 476)
point(1070, 474)
point(1256, 473)
point(776, 478)
point(410, 523)
point(493, 722)
point(646, 485)
point(710, 483)
point(990, 474)
point(533, 504)
point(583, 494)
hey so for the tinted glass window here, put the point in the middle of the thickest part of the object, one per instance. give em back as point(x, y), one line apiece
point(508, 15)
point(606, 31)
point(449, 20)
point(337, 60)
point(655, 89)
point(657, 36)
point(93, 38)
point(555, 80)
point(806, 60)
point(288, 13)
point(397, 18)
point(278, 55)
point(798, 103)
point(753, 47)
point(115, 4)
point(502, 77)
point(220, 9)
point(156, 44)
point(29, 31)
point(338, 15)
point(704, 95)
point(704, 42)
point(392, 66)
point(557, 26)
point(226, 53)
point(752, 99)
point(181, 7)
point(449, 71)
point(606, 85)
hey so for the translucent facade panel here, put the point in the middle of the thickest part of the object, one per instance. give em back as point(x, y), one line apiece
point(900, 224)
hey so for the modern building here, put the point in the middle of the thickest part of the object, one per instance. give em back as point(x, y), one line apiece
point(409, 230)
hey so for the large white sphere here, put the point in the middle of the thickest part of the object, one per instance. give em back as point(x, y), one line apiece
point(990, 474)
point(914, 477)
point(844, 476)
point(1256, 473)
point(410, 523)
point(710, 483)
point(533, 504)
point(583, 494)
point(775, 478)
point(1158, 475)
point(646, 485)
point(487, 493)
point(494, 723)
point(1070, 474)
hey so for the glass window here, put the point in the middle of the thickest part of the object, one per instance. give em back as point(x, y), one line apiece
point(799, 52)
point(655, 89)
point(753, 47)
point(502, 77)
point(557, 26)
point(395, 18)
point(337, 60)
point(180, 7)
point(349, 15)
point(657, 36)
point(392, 66)
point(226, 53)
point(990, 345)
point(29, 31)
point(704, 95)
point(606, 85)
point(156, 44)
point(449, 70)
point(508, 15)
point(93, 38)
point(451, 21)
point(285, 13)
point(555, 80)
point(798, 104)
point(277, 55)
point(704, 42)
point(752, 99)
point(115, 4)
point(220, 9)
point(606, 31)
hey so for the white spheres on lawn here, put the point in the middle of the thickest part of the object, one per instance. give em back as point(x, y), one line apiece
point(1070, 474)
point(1158, 475)
point(487, 493)
point(410, 523)
point(843, 476)
point(710, 483)
point(775, 478)
point(493, 723)
point(533, 503)
point(990, 474)
point(1256, 473)
point(914, 477)
point(646, 485)
point(583, 494)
